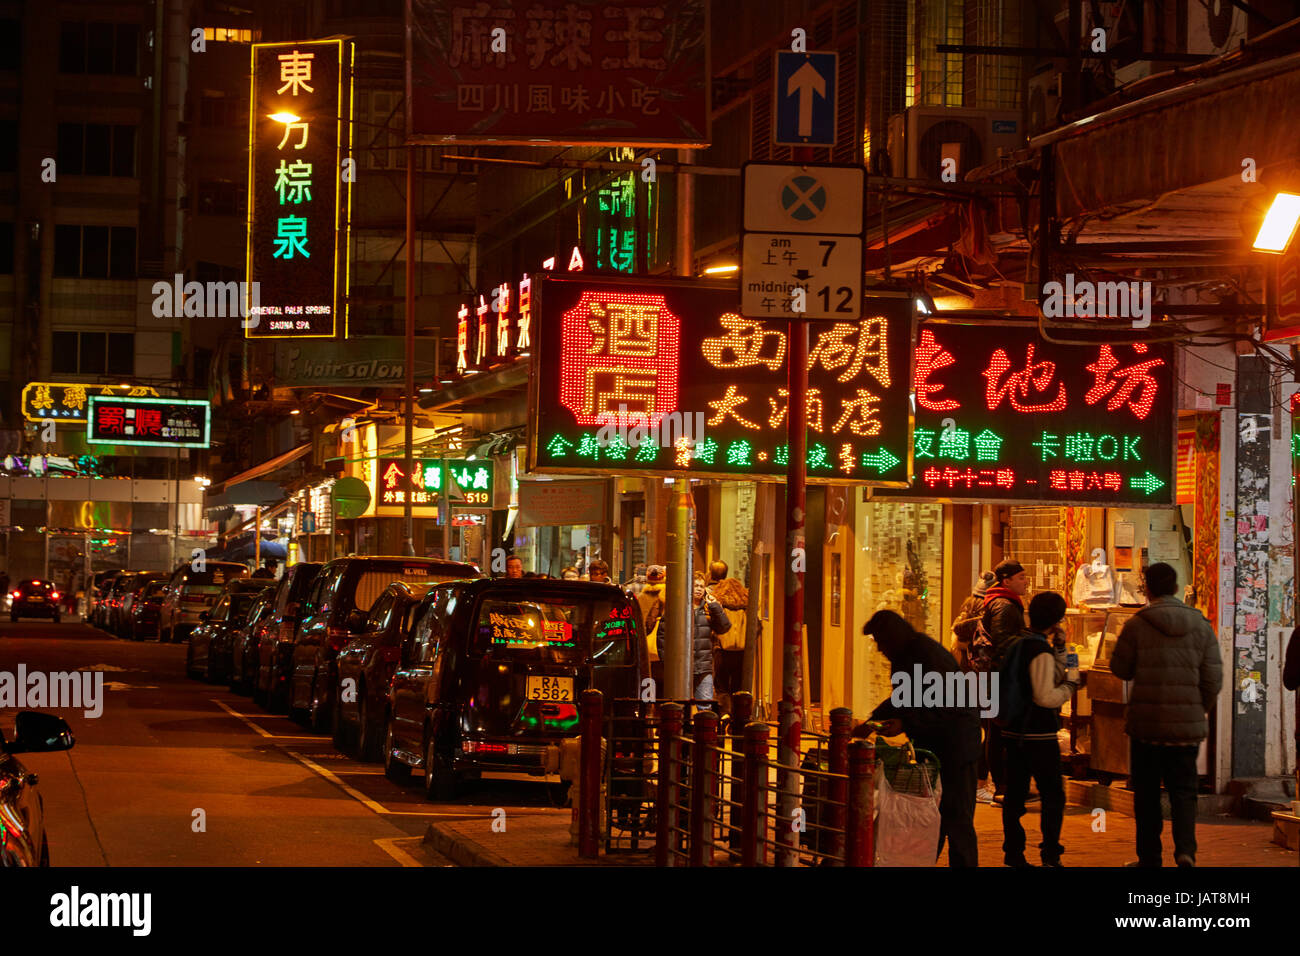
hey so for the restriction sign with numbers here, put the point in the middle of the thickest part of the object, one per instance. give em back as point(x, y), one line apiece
point(827, 268)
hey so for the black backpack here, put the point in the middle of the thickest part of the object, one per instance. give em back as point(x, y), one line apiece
point(1015, 697)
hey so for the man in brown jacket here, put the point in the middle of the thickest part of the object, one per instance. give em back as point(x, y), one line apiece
point(1169, 651)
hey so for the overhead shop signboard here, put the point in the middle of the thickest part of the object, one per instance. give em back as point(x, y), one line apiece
point(473, 479)
point(578, 72)
point(1002, 414)
point(299, 189)
point(163, 422)
point(665, 377)
point(66, 401)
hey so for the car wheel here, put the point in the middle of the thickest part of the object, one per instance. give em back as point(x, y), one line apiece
point(338, 731)
point(440, 781)
point(368, 740)
point(394, 769)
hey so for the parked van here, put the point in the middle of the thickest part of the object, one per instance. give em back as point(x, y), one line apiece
point(190, 593)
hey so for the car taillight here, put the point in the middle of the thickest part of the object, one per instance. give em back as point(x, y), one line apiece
point(54, 595)
point(336, 637)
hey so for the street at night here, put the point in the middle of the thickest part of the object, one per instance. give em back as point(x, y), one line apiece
point(569, 436)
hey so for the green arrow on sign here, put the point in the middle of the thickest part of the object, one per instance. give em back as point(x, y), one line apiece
point(882, 460)
point(1148, 483)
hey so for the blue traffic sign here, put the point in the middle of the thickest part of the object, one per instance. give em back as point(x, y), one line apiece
point(804, 99)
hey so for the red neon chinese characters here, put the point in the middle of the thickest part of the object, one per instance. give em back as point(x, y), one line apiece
point(148, 421)
point(930, 357)
point(619, 361)
point(1016, 387)
point(1004, 478)
point(112, 420)
point(1062, 480)
point(1123, 384)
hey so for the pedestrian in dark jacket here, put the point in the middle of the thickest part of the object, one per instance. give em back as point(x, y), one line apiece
point(1169, 651)
point(951, 733)
point(710, 619)
point(1037, 660)
point(1003, 620)
point(968, 618)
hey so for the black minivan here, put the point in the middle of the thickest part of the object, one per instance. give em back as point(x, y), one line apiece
point(490, 676)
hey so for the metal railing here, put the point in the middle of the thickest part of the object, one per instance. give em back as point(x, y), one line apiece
point(704, 791)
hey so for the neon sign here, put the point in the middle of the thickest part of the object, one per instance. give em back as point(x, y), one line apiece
point(43, 401)
point(473, 479)
point(626, 366)
point(299, 190)
point(1003, 414)
point(165, 422)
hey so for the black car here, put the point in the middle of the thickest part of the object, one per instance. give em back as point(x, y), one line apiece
point(343, 586)
point(490, 676)
point(35, 598)
point(365, 670)
point(208, 654)
point(145, 612)
point(22, 814)
point(275, 634)
point(244, 642)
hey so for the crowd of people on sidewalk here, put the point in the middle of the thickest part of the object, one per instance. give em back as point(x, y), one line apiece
point(1169, 652)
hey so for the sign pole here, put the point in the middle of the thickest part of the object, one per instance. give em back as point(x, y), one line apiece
point(681, 635)
point(408, 519)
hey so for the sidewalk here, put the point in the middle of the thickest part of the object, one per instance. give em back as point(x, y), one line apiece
point(542, 839)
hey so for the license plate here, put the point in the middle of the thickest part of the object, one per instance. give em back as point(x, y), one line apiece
point(37, 600)
point(550, 688)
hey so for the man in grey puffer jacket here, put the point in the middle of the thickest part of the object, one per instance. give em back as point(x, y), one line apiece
point(1169, 651)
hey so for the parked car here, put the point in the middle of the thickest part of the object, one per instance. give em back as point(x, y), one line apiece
point(368, 661)
point(244, 642)
point(490, 676)
point(22, 812)
point(145, 610)
point(34, 598)
point(276, 631)
point(191, 592)
point(102, 583)
point(120, 615)
point(343, 586)
point(207, 655)
point(105, 602)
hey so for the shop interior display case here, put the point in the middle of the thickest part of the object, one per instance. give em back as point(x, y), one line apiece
point(1083, 631)
point(1108, 699)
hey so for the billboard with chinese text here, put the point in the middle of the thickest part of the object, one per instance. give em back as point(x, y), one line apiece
point(1002, 414)
point(165, 422)
point(298, 193)
point(581, 72)
point(473, 478)
point(665, 377)
point(43, 401)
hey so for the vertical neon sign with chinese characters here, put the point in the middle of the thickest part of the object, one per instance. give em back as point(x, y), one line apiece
point(1003, 414)
point(299, 198)
point(641, 376)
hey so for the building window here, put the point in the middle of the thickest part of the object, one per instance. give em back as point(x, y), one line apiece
point(99, 48)
point(94, 252)
point(215, 272)
point(227, 35)
point(217, 111)
point(94, 353)
point(11, 44)
point(220, 197)
point(378, 138)
point(94, 149)
point(6, 248)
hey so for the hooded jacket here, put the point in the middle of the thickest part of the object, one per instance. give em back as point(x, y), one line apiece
point(1169, 651)
point(1003, 620)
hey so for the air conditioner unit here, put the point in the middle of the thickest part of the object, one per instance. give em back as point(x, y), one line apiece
point(1044, 102)
point(1214, 26)
point(921, 138)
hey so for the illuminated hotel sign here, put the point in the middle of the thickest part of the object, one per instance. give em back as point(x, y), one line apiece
point(299, 188)
point(665, 377)
point(1002, 414)
point(473, 478)
point(168, 422)
point(66, 402)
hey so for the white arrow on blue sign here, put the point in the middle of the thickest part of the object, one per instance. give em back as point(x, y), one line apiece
point(804, 99)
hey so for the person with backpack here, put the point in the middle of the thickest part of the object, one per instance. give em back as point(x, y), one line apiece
point(951, 733)
point(650, 599)
point(1033, 684)
point(968, 619)
point(1169, 651)
point(1001, 623)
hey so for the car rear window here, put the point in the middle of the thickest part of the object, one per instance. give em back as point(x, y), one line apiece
point(374, 579)
point(34, 587)
point(214, 576)
point(559, 629)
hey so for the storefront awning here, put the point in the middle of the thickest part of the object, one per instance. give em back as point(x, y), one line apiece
point(257, 471)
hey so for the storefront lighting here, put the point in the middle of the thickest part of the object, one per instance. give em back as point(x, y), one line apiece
point(202, 481)
point(295, 412)
point(284, 117)
point(1279, 224)
point(721, 270)
point(426, 391)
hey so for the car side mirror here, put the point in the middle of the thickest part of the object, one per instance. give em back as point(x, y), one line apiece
point(36, 732)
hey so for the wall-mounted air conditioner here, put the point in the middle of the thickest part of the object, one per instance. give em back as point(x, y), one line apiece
point(921, 138)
